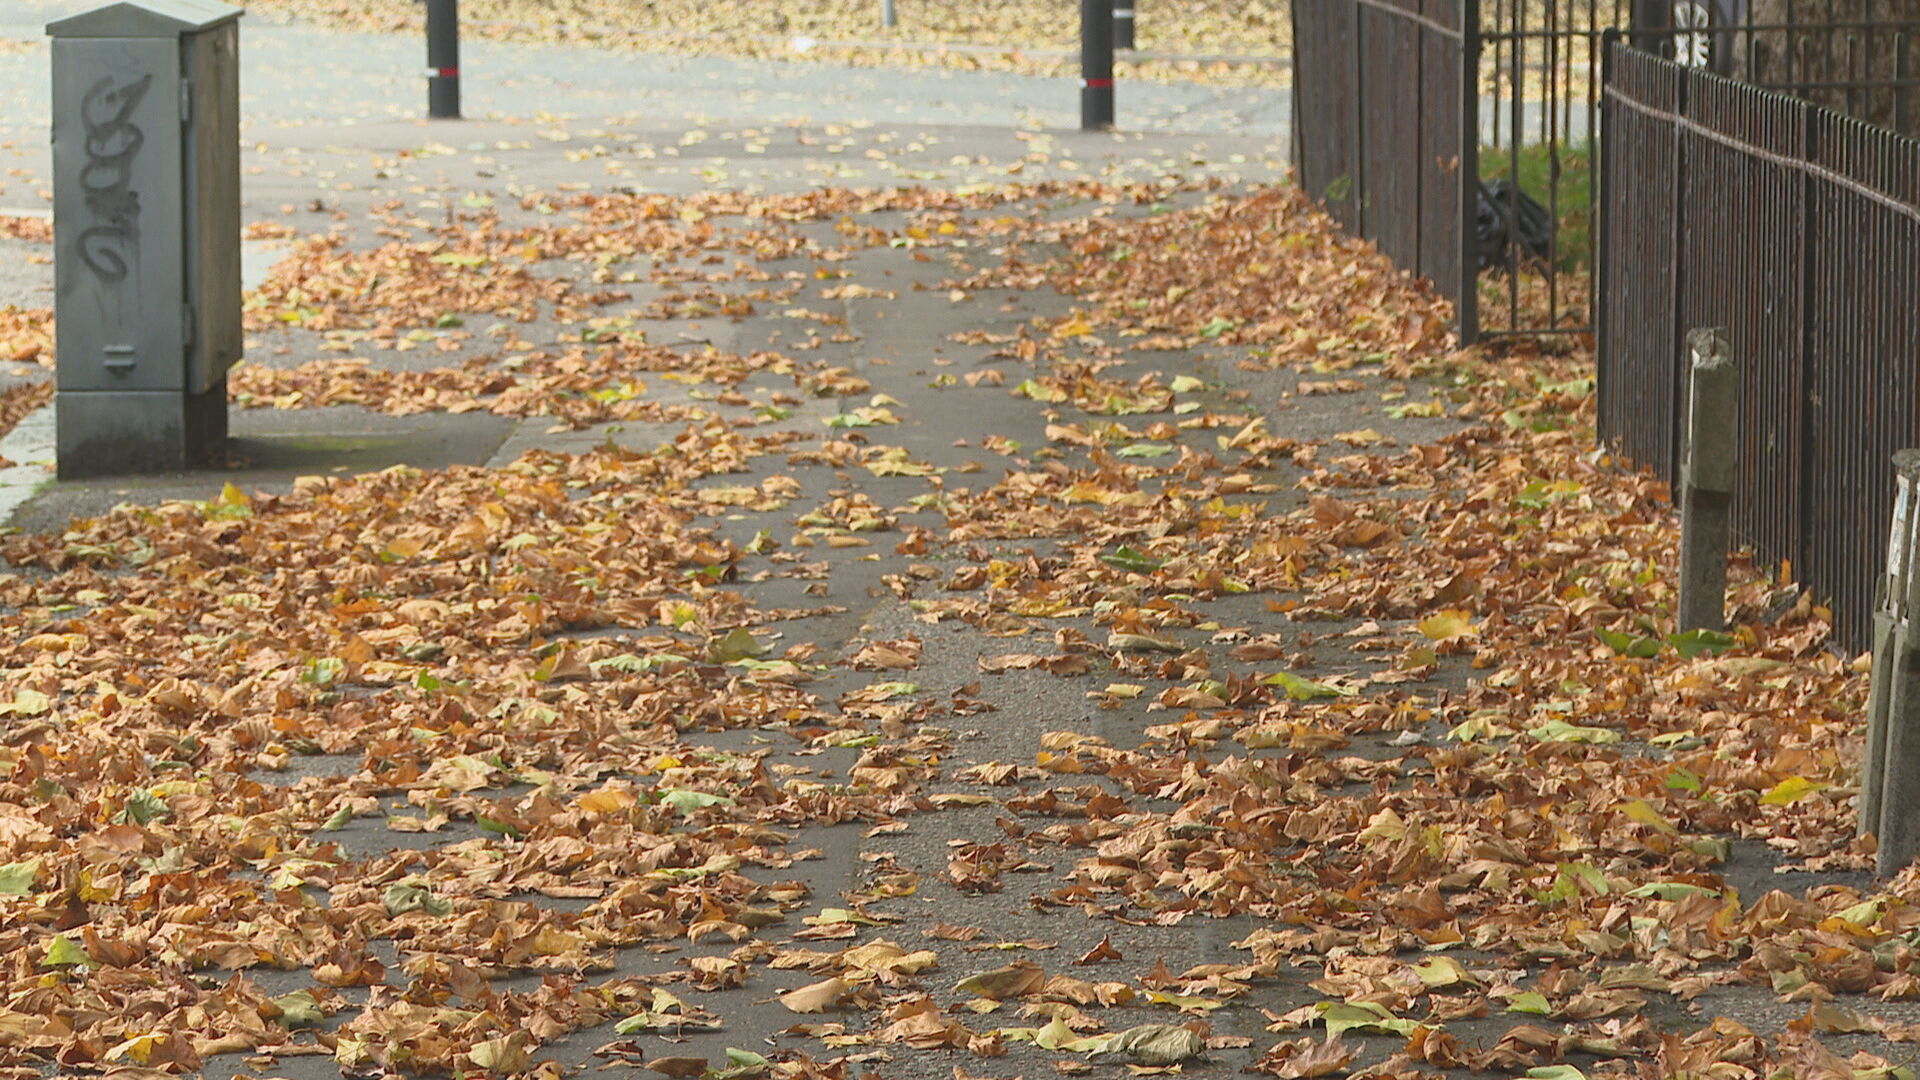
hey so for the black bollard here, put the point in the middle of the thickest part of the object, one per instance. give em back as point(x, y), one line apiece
point(443, 59)
point(1123, 25)
point(1096, 65)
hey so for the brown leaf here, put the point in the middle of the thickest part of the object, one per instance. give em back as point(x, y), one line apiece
point(816, 997)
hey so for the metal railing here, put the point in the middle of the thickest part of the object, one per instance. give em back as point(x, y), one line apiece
point(1397, 100)
point(1798, 229)
point(1400, 103)
point(1380, 101)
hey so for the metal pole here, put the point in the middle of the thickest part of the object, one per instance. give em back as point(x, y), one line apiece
point(888, 17)
point(1123, 24)
point(1707, 471)
point(1096, 65)
point(443, 59)
point(1466, 304)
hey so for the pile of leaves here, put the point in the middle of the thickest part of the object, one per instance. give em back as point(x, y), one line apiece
point(26, 335)
point(1454, 766)
point(34, 230)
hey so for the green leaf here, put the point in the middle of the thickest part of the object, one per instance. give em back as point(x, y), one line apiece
point(1036, 392)
point(1792, 790)
point(687, 802)
point(739, 644)
point(1558, 730)
point(496, 826)
point(63, 951)
point(1343, 1016)
point(1530, 1001)
point(1126, 558)
point(1185, 384)
point(17, 878)
point(1554, 1072)
point(642, 1021)
point(1695, 642)
point(1218, 326)
point(323, 671)
point(1145, 450)
point(1866, 912)
point(1628, 645)
point(1300, 689)
point(740, 1065)
point(405, 896)
point(883, 691)
point(143, 807)
point(299, 1009)
point(1671, 890)
point(1684, 779)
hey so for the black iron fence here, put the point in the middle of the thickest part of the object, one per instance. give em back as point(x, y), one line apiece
point(1798, 229)
point(1460, 134)
point(1378, 117)
point(1417, 121)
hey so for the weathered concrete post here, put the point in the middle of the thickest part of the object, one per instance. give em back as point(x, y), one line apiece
point(146, 162)
point(1893, 609)
point(1708, 463)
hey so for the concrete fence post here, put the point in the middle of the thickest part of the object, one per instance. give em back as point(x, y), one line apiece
point(1890, 775)
point(1709, 462)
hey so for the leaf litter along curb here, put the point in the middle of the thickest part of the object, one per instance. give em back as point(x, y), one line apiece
point(1022, 36)
point(163, 665)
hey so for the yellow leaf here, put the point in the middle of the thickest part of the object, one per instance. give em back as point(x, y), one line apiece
point(140, 1048)
point(1363, 437)
point(1385, 825)
point(1641, 811)
point(1448, 624)
point(607, 800)
point(1792, 790)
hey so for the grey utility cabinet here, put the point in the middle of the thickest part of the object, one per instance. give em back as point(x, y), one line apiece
point(146, 161)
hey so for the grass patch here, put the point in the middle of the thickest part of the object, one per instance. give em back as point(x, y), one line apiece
point(1569, 175)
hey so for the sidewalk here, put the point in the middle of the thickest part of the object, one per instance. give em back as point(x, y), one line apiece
point(670, 608)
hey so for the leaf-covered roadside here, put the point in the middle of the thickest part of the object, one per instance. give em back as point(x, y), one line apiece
point(1025, 36)
point(1407, 702)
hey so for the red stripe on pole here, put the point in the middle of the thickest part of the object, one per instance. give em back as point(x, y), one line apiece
point(447, 73)
point(1096, 82)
